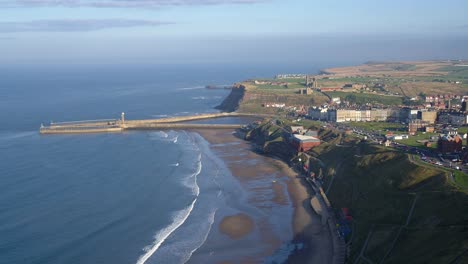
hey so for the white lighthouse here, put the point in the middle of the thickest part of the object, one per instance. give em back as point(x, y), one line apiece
point(122, 119)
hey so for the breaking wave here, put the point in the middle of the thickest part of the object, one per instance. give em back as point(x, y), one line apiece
point(179, 219)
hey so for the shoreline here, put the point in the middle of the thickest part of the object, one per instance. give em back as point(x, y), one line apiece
point(305, 240)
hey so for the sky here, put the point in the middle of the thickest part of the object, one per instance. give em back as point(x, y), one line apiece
point(198, 31)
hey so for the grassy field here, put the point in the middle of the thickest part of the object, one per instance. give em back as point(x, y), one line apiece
point(364, 98)
point(379, 185)
point(376, 126)
point(407, 78)
point(412, 141)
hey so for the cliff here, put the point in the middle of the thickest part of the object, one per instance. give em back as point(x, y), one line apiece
point(270, 139)
point(231, 103)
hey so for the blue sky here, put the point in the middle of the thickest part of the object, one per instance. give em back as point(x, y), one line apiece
point(139, 30)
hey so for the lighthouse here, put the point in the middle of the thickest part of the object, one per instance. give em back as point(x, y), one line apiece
point(122, 119)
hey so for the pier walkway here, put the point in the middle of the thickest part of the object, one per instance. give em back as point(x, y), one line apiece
point(120, 125)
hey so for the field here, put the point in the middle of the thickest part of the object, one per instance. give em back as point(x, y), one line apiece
point(379, 126)
point(258, 94)
point(412, 141)
point(405, 78)
point(380, 186)
point(364, 98)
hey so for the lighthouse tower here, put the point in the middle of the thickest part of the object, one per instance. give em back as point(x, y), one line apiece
point(122, 119)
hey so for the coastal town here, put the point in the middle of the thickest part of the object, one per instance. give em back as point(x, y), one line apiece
point(366, 141)
point(367, 154)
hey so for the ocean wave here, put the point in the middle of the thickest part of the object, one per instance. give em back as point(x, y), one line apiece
point(206, 97)
point(211, 219)
point(159, 134)
point(7, 136)
point(179, 218)
point(175, 164)
point(172, 136)
point(160, 116)
point(192, 88)
point(194, 186)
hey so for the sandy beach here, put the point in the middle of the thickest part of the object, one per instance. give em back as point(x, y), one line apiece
point(287, 230)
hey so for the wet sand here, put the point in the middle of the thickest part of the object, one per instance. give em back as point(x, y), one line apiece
point(289, 229)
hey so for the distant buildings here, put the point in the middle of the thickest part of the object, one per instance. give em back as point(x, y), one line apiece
point(291, 76)
point(417, 125)
point(303, 143)
point(449, 144)
point(306, 91)
point(354, 115)
point(427, 116)
point(452, 118)
point(274, 105)
point(303, 140)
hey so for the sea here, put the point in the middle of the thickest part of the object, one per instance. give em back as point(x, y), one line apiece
point(133, 197)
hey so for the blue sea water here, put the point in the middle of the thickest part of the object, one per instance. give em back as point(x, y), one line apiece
point(137, 197)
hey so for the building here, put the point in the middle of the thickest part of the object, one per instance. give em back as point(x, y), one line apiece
point(381, 114)
point(407, 114)
point(427, 116)
point(330, 89)
point(297, 129)
point(306, 91)
point(416, 125)
point(355, 115)
point(449, 144)
point(318, 113)
point(304, 143)
point(336, 100)
point(391, 115)
point(452, 118)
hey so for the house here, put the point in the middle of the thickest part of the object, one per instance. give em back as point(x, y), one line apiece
point(318, 113)
point(417, 125)
point(304, 143)
point(400, 137)
point(449, 144)
point(297, 129)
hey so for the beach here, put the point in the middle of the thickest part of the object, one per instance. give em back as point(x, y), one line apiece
point(286, 230)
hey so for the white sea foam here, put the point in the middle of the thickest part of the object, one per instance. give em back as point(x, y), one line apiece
point(15, 135)
point(160, 116)
point(179, 218)
point(192, 88)
point(175, 165)
point(195, 187)
point(159, 134)
point(175, 139)
point(211, 219)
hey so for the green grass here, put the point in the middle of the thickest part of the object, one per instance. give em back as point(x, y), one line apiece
point(378, 184)
point(364, 98)
point(412, 141)
point(456, 71)
point(461, 179)
point(376, 126)
point(425, 245)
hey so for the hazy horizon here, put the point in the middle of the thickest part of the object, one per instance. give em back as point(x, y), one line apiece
point(229, 31)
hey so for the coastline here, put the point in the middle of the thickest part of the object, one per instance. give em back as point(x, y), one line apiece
point(290, 231)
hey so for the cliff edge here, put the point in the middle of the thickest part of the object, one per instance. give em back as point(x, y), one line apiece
point(231, 103)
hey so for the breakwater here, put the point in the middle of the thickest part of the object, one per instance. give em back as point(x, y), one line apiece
point(99, 126)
